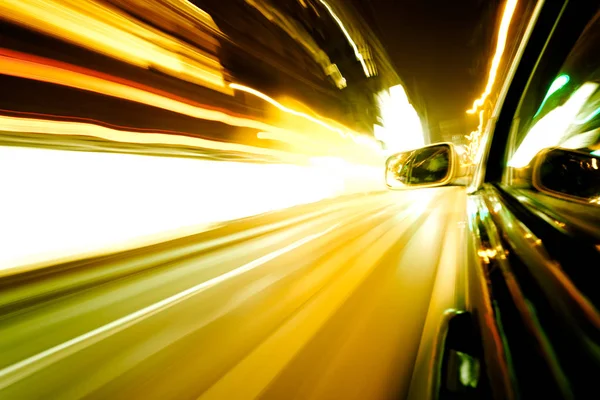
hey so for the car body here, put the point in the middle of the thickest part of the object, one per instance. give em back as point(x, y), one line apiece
point(531, 325)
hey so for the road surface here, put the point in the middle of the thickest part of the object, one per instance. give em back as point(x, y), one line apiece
point(337, 299)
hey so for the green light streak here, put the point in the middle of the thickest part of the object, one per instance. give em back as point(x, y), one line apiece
point(589, 117)
point(558, 84)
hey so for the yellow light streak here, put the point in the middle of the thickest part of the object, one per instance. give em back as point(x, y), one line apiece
point(45, 70)
point(509, 10)
point(108, 31)
point(288, 110)
point(66, 128)
point(357, 53)
point(299, 141)
point(81, 78)
point(131, 200)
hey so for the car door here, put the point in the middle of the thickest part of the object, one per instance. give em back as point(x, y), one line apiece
point(532, 326)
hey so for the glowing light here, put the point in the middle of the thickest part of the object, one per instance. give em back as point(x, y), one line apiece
point(357, 53)
point(590, 117)
point(552, 128)
point(558, 84)
point(287, 136)
point(288, 110)
point(402, 128)
point(299, 141)
point(474, 139)
point(594, 163)
point(581, 140)
point(509, 10)
point(34, 125)
point(130, 200)
point(45, 70)
point(364, 140)
point(596, 153)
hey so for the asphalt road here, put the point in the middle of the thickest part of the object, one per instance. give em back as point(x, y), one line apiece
point(339, 299)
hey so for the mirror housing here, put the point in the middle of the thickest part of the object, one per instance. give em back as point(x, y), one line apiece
point(430, 166)
point(569, 174)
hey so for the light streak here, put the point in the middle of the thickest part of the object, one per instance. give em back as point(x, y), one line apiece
point(122, 135)
point(289, 137)
point(558, 84)
point(553, 127)
point(509, 10)
point(288, 110)
point(40, 69)
point(590, 117)
point(108, 31)
point(34, 363)
point(357, 53)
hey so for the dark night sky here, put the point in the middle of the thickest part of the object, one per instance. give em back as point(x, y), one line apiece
point(441, 49)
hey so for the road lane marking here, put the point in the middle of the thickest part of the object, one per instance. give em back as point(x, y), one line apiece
point(17, 370)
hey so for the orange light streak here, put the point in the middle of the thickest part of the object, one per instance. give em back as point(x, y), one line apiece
point(45, 70)
point(108, 31)
point(509, 11)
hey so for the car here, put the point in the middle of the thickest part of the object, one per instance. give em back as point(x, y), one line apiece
point(531, 325)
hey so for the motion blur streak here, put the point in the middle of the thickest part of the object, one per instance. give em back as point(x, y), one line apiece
point(196, 209)
point(357, 52)
point(246, 381)
point(331, 301)
point(446, 297)
point(286, 109)
point(292, 137)
point(109, 31)
point(552, 128)
point(41, 69)
point(50, 71)
point(91, 337)
point(34, 125)
point(398, 115)
point(509, 10)
point(300, 34)
point(58, 204)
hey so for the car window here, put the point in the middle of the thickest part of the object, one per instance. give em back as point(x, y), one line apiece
point(563, 112)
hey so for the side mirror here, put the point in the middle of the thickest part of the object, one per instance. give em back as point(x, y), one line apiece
point(430, 166)
point(568, 174)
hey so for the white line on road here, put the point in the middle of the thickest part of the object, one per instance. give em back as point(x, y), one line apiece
point(13, 373)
